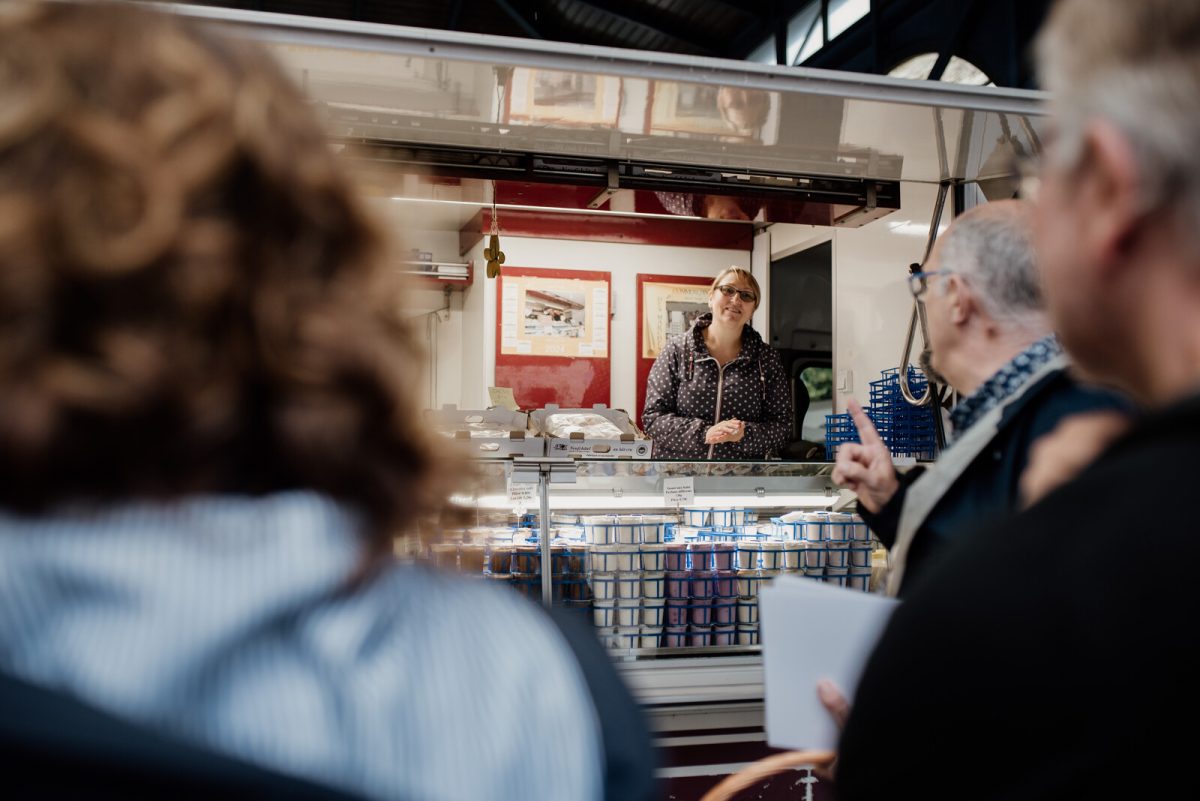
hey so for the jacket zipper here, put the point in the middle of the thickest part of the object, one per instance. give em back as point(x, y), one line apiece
point(720, 389)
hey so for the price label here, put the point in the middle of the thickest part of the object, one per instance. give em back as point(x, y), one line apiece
point(679, 491)
point(521, 493)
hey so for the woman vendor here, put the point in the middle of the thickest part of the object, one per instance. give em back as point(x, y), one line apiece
point(718, 391)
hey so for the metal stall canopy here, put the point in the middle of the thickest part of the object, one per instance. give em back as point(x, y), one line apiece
point(621, 120)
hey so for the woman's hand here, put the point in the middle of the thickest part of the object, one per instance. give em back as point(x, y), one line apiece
point(725, 431)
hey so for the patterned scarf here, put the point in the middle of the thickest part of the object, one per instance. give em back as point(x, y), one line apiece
point(1006, 381)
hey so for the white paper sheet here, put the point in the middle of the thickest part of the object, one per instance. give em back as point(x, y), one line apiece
point(813, 631)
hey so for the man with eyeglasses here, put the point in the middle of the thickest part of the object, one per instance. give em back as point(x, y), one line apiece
point(1056, 656)
point(990, 340)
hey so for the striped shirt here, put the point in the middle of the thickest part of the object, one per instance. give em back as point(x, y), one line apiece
point(225, 621)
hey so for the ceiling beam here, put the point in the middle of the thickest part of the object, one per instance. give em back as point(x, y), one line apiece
point(781, 32)
point(454, 11)
point(750, 8)
point(808, 34)
point(762, 27)
point(954, 39)
point(519, 18)
point(653, 20)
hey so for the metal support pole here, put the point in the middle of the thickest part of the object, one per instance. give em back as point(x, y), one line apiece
point(544, 472)
point(918, 311)
point(547, 565)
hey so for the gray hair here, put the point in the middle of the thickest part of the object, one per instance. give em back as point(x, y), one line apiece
point(994, 253)
point(1136, 64)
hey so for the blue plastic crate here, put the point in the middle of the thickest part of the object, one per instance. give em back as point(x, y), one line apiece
point(907, 430)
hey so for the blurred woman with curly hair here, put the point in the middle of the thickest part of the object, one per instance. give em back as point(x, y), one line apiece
point(208, 436)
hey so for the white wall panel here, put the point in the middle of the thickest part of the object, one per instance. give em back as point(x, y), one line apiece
point(872, 303)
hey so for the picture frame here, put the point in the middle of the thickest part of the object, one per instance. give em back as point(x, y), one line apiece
point(572, 99)
point(724, 113)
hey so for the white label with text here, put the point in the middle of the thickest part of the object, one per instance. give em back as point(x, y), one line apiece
point(679, 491)
point(521, 493)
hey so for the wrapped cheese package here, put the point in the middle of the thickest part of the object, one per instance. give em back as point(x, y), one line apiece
point(591, 426)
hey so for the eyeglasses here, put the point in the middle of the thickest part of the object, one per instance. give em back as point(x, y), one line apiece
point(728, 290)
point(919, 282)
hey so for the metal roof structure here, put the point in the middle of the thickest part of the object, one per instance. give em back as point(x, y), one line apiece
point(873, 36)
point(720, 28)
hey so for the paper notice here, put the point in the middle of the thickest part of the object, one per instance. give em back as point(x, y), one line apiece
point(679, 491)
point(523, 495)
point(503, 397)
point(813, 631)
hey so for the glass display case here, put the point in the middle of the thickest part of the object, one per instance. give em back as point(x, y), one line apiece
point(665, 559)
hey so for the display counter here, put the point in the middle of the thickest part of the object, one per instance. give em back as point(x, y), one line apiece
point(665, 559)
point(662, 557)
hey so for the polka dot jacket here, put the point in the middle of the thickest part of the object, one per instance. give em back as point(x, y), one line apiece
point(688, 392)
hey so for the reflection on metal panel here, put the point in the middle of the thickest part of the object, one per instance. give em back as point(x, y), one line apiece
point(408, 85)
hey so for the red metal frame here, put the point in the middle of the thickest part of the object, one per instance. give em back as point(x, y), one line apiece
point(642, 364)
point(604, 227)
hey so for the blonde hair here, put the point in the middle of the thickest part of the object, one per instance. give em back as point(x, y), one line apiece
point(1136, 64)
point(744, 275)
point(192, 298)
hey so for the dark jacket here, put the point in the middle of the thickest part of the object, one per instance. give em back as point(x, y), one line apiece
point(687, 393)
point(1054, 656)
point(988, 488)
point(629, 756)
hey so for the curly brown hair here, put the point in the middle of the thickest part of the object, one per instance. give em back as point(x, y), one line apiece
point(192, 298)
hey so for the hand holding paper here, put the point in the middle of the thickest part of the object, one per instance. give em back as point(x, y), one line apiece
point(814, 632)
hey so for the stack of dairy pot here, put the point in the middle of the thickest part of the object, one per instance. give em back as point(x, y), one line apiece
point(699, 589)
point(725, 558)
point(627, 576)
point(512, 558)
point(834, 548)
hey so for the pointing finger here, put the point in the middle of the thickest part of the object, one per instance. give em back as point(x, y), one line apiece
point(851, 452)
point(849, 474)
point(866, 429)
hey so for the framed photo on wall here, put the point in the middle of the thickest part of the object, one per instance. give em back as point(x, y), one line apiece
point(725, 113)
point(667, 306)
point(669, 310)
point(543, 316)
point(565, 98)
point(553, 339)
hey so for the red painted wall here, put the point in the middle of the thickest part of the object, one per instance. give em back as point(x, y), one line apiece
point(643, 365)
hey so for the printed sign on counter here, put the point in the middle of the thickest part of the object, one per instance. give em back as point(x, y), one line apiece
point(522, 494)
point(679, 491)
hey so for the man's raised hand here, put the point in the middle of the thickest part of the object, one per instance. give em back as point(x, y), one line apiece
point(866, 467)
